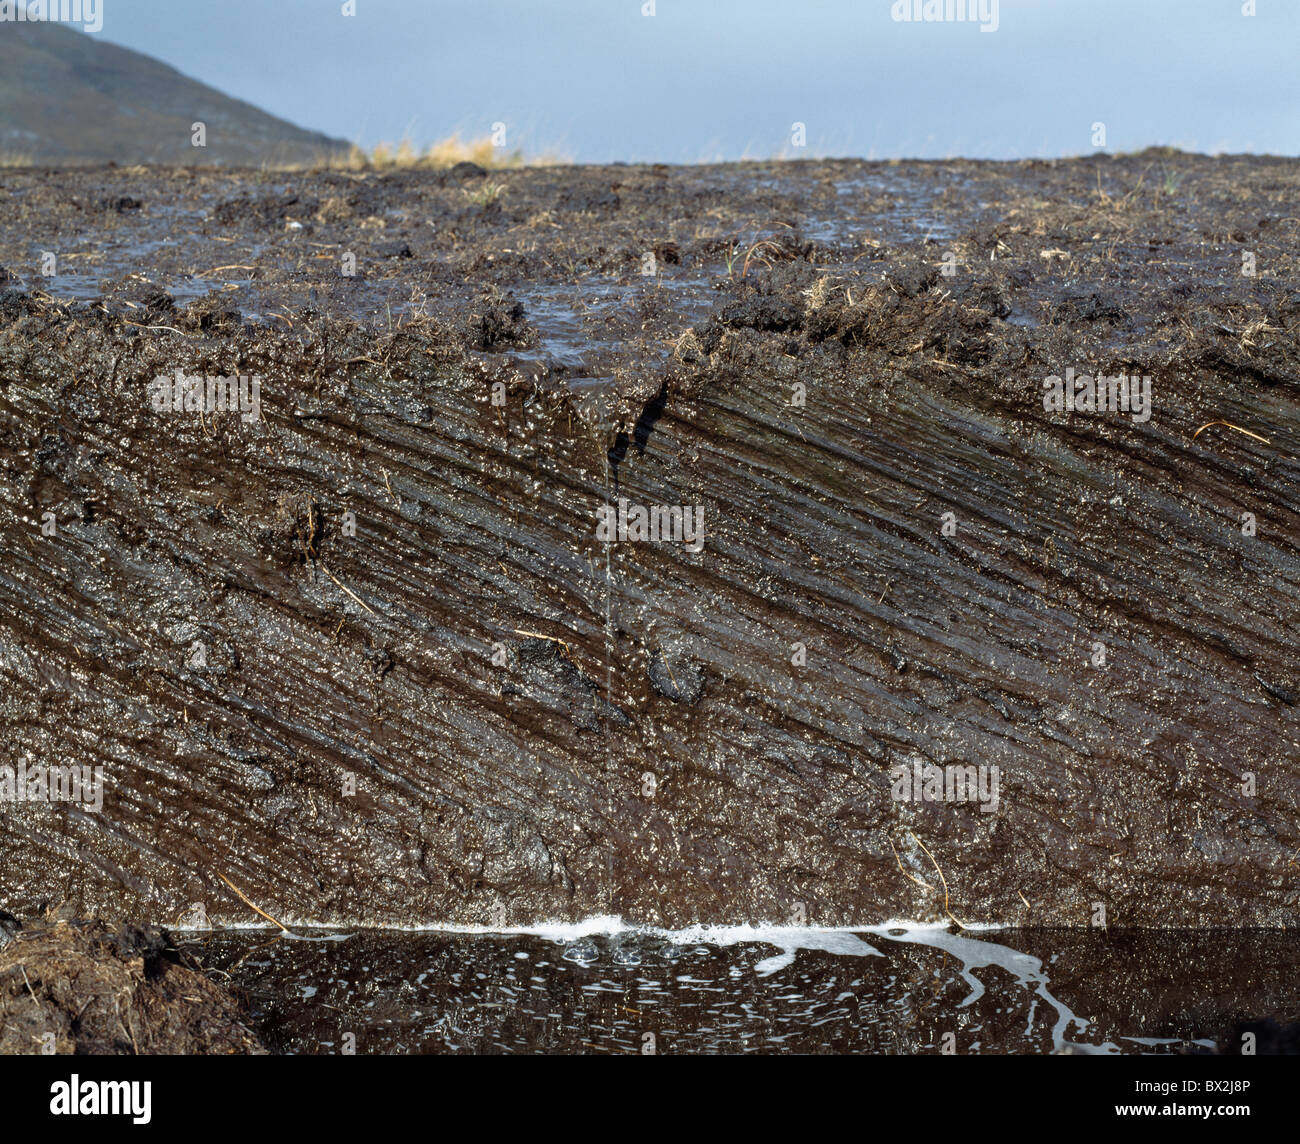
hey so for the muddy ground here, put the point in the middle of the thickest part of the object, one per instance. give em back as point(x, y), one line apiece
point(365, 658)
point(88, 988)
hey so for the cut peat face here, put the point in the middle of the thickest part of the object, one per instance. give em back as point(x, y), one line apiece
point(366, 659)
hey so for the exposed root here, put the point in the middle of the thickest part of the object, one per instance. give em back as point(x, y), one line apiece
point(250, 905)
point(1230, 425)
point(942, 879)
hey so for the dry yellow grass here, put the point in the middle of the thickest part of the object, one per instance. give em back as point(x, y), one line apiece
point(438, 156)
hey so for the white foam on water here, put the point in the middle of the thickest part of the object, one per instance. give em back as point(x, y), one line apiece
point(1027, 970)
point(602, 925)
point(788, 939)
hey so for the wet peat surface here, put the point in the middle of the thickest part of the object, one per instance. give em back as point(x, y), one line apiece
point(890, 990)
point(358, 652)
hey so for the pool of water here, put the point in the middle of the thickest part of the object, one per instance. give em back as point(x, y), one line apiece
point(601, 987)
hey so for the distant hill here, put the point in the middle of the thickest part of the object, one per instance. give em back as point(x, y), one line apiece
point(69, 98)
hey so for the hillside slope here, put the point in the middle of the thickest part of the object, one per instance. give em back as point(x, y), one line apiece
point(67, 97)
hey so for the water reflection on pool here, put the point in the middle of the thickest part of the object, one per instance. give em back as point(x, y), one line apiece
point(598, 987)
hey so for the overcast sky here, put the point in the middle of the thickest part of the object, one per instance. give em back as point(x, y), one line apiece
point(596, 80)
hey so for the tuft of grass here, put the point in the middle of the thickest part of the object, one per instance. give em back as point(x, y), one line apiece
point(15, 159)
point(451, 151)
point(485, 195)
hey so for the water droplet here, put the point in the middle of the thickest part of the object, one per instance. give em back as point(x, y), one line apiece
point(583, 951)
